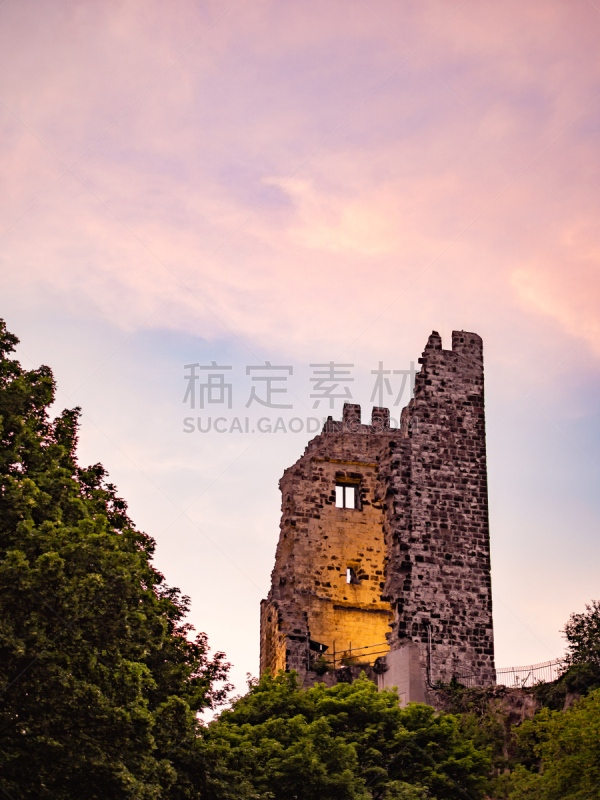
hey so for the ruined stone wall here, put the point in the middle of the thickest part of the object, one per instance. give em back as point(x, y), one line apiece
point(319, 542)
point(438, 570)
point(273, 643)
point(418, 541)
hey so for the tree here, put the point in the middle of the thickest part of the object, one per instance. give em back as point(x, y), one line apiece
point(582, 633)
point(558, 750)
point(100, 681)
point(582, 663)
point(346, 742)
point(566, 742)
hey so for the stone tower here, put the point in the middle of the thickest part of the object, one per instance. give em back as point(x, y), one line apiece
point(383, 554)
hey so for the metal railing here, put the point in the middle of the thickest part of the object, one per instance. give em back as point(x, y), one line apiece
point(511, 677)
point(349, 655)
point(517, 677)
point(545, 672)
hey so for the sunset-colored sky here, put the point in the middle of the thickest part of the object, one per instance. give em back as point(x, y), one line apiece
point(300, 182)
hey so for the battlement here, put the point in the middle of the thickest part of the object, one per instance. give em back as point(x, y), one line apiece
point(351, 421)
point(464, 343)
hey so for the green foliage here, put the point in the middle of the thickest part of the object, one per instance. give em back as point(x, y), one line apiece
point(576, 681)
point(567, 745)
point(582, 673)
point(485, 719)
point(100, 683)
point(347, 741)
point(582, 633)
point(474, 700)
point(558, 752)
point(320, 665)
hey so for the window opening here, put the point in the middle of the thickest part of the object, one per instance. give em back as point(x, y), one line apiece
point(345, 496)
point(351, 576)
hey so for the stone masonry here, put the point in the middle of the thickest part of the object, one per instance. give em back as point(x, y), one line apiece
point(402, 574)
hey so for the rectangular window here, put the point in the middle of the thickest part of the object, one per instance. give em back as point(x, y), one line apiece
point(345, 496)
point(351, 576)
point(349, 497)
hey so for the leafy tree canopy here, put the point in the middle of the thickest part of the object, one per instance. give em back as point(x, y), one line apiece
point(567, 743)
point(100, 683)
point(582, 673)
point(582, 633)
point(347, 742)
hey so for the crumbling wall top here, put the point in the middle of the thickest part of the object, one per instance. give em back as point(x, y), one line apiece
point(467, 344)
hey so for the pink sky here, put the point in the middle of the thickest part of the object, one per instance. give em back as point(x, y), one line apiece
point(303, 178)
point(291, 146)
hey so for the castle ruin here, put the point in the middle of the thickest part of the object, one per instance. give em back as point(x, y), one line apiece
point(384, 552)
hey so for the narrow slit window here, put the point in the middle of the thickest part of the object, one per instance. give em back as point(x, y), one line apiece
point(345, 496)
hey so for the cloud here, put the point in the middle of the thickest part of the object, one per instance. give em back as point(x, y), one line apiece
point(306, 181)
point(567, 286)
point(298, 173)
